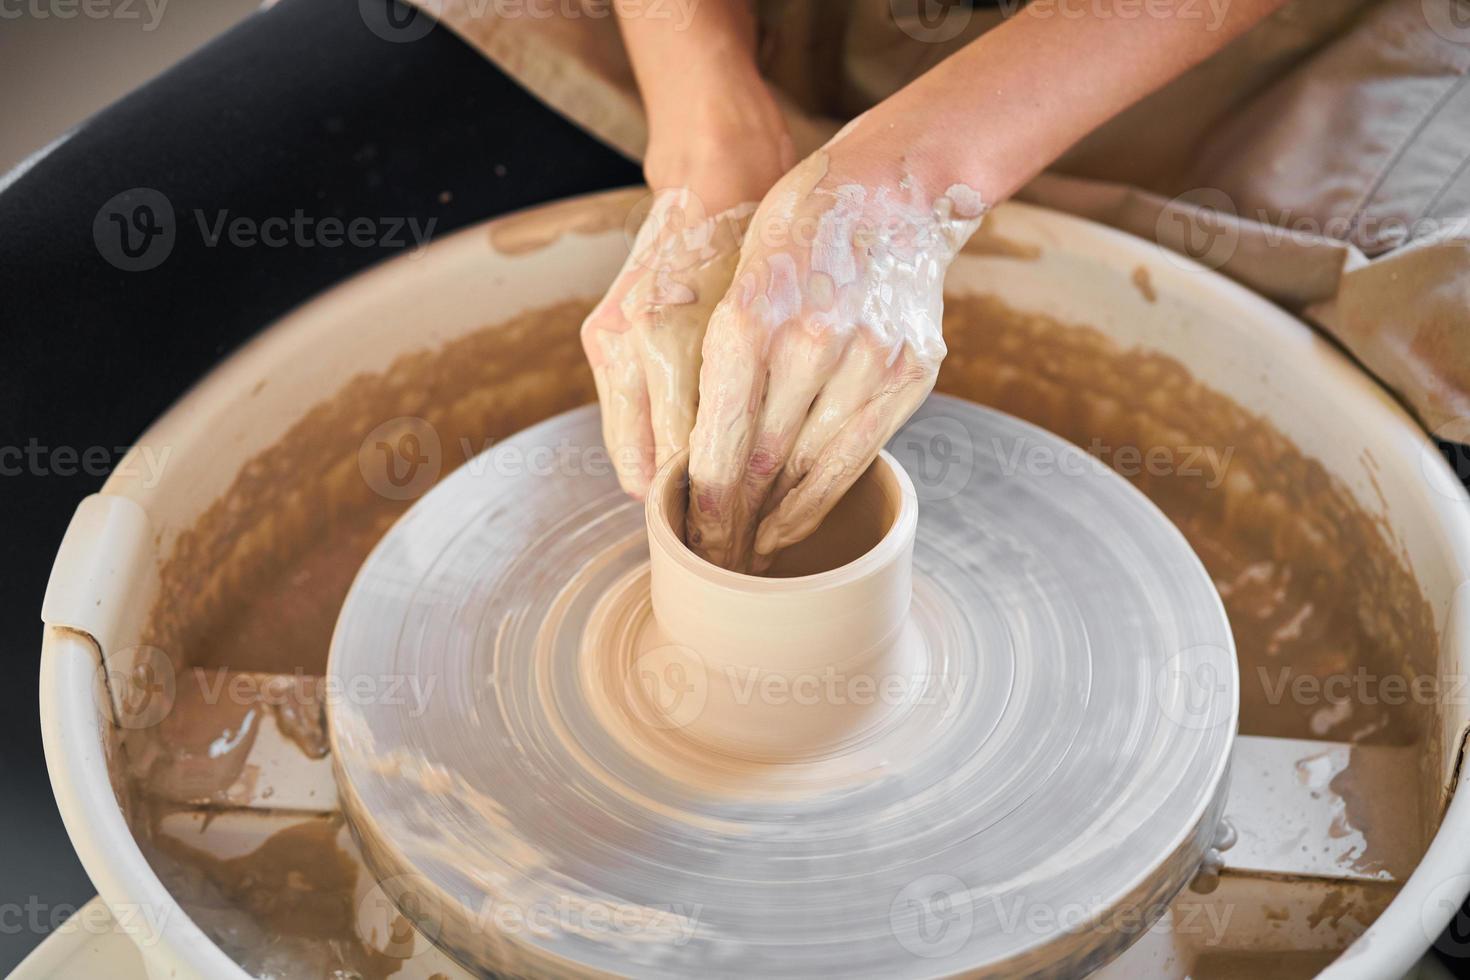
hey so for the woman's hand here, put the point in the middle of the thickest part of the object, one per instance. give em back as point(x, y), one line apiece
point(716, 143)
point(643, 339)
point(827, 341)
point(829, 337)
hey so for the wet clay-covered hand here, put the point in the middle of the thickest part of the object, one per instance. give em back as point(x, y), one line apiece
point(716, 138)
point(829, 336)
point(827, 341)
point(644, 338)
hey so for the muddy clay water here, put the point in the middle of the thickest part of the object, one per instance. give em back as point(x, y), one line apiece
point(1313, 587)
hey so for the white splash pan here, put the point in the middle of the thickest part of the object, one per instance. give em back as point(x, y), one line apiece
point(106, 572)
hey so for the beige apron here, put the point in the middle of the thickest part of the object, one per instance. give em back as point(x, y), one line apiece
point(1322, 159)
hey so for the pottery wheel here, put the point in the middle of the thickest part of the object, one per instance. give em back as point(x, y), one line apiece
point(1051, 782)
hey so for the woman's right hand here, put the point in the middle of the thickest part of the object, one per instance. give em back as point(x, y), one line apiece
point(826, 343)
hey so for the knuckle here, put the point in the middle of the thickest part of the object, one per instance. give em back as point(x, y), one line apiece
point(597, 322)
point(764, 461)
point(918, 370)
point(709, 507)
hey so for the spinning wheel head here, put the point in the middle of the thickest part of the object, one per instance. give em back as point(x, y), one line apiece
point(1014, 777)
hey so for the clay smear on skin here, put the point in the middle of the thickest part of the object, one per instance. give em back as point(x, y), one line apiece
point(1308, 579)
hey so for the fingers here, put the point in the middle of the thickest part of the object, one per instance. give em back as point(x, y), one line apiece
point(644, 338)
point(799, 362)
point(669, 313)
point(802, 361)
point(861, 372)
point(732, 388)
point(843, 459)
point(669, 352)
point(622, 391)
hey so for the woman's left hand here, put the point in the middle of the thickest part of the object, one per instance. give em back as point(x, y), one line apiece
point(717, 141)
point(643, 339)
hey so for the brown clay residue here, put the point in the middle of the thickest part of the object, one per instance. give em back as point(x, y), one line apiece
point(1276, 965)
point(199, 751)
point(256, 583)
point(1313, 588)
point(531, 230)
point(1144, 283)
point(298, 705)
point(1334, 905)
point(285, 909)
point(987, 241)
point(1381, 823)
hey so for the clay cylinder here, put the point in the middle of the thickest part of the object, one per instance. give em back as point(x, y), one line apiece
point(798, 661)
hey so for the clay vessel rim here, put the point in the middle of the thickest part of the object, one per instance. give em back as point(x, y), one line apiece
point(895, 540)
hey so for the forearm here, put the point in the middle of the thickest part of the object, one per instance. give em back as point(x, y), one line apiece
point(712, 123)
point(997, 112)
